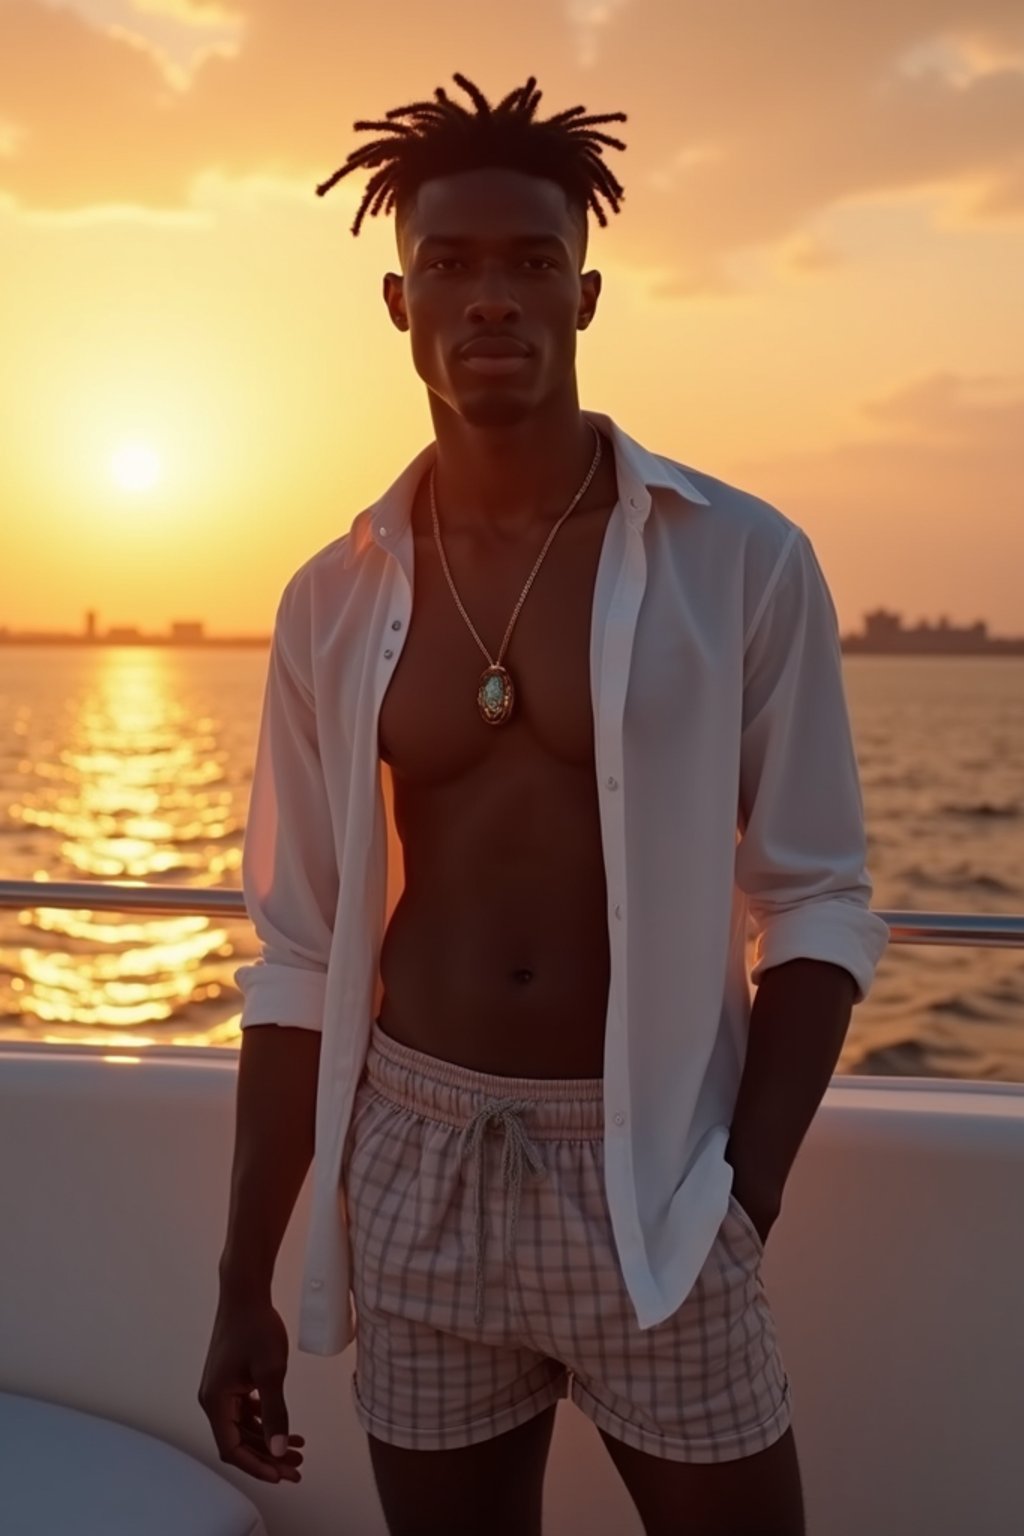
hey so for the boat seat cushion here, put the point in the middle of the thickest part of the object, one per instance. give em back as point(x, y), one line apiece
point(68, 1473)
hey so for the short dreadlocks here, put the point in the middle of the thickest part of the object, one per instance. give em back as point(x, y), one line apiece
point(442, 138)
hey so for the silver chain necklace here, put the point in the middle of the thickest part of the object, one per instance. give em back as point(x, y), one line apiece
point(495, 694)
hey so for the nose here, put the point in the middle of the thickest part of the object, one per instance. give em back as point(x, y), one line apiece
point(492, 301)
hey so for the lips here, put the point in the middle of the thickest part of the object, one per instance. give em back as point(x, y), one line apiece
point(495, 346)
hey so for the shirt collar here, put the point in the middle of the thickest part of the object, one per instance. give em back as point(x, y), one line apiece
point(638, 472)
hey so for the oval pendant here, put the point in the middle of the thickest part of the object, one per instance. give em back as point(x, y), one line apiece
point(495, 695)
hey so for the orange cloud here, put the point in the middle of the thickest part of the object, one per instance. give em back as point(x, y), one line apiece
point(745, 120)
point(193, 13)
point(969, 428)
point(928, 509)
point(984, 413)
point(813, 255)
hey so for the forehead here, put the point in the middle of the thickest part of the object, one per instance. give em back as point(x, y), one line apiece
point(489, 205)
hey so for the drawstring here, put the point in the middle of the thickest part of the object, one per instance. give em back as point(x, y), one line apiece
point(504, 1114)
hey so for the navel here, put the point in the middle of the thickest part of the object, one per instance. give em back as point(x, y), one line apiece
point(522, 976)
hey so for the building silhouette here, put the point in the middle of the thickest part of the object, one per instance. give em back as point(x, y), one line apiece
point(885, 635)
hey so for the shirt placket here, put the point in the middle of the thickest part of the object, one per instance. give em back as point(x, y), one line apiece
point(616, 649)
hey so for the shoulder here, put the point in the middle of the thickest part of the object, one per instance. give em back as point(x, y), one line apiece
point(301, 591)
point(322, 595)
point(738, 525)
point(325, 565)
point(736, 543)
point(726, 502)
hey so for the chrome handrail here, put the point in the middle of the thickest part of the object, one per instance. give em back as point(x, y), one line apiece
point(989, 930)
point(110, 896)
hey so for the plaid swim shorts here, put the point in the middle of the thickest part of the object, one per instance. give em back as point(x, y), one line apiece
point(487, 1285)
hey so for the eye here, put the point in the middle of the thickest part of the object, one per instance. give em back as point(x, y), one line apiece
point(444, 260)
point(545, 259)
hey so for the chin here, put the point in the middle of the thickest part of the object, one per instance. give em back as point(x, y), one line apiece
point(496, 408)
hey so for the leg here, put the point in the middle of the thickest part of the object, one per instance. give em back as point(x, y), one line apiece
point(458, 1411)
point(758, 1495)
point(493, 1488)
point(696, 1412)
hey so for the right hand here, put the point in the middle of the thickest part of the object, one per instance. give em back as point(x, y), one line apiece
point(242, 1391)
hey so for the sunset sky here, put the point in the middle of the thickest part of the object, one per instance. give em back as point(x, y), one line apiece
point(814, 288)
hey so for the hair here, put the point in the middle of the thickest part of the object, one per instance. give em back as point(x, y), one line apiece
point(442, 138)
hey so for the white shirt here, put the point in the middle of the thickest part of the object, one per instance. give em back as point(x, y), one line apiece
point(728, 788)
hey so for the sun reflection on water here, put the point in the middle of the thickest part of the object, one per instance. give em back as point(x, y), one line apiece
point(128, 788)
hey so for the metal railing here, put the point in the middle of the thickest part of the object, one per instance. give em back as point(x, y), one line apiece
point(990, 930)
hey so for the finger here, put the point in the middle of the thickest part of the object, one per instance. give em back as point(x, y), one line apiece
point(252, 1434)
point(257, 1465)
point(250, 1453)
point(254, 1424)
point(226, 1417)
point(287, 1464)
point(250, 1425)
point(225, 1413)
point(254, 1438)
point(251, 1415)
point(274, 1415)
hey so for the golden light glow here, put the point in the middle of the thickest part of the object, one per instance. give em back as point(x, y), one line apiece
point(197, 335)
point(810, 294)
point(141, 794)
point(135, 466)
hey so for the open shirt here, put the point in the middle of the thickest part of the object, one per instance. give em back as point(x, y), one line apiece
point(730, 810)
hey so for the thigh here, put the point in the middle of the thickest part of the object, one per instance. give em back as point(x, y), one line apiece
point(495, 1487)
point(706, 1385)
point(429, 1377)
point(759, 1495)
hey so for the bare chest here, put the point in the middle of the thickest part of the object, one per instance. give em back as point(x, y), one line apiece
point(430, 727)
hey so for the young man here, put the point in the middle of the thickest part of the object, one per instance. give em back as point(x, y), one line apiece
point(540, 732)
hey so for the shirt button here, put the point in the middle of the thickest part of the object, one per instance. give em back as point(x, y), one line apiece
point(382, 531)
point(619, 1119)
point(316, 1285)
point(396, 623)
point(634, 503)
point(388, 655)
point(612, 783)
point(618, 912)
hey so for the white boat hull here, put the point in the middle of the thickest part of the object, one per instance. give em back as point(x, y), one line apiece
point(894, 1273)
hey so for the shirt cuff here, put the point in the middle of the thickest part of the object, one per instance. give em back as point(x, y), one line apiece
point(843, 932)
point(281, 994)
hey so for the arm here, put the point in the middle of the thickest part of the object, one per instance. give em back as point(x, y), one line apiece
point(797, 1027)
point(290, 877)
point(801, 863)
point(242, 1387)
point(274, 1124)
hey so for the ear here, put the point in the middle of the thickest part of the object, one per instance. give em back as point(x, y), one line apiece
point(394, 298)
point(590, 292)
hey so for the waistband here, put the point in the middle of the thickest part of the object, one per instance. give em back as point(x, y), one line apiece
point(552, 1108)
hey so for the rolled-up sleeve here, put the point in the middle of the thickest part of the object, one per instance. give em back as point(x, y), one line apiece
point(801, 854)
point(289, 864)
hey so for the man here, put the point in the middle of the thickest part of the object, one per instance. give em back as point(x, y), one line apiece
point(539, 734)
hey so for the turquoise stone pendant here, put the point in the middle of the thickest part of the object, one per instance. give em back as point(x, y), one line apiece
point(495, 695)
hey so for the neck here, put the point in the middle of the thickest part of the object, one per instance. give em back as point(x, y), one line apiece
point(510, 478)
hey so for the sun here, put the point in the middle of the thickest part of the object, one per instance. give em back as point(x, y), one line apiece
point(135, 466)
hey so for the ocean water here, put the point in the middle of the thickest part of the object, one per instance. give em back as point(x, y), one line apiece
point(135, 763)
